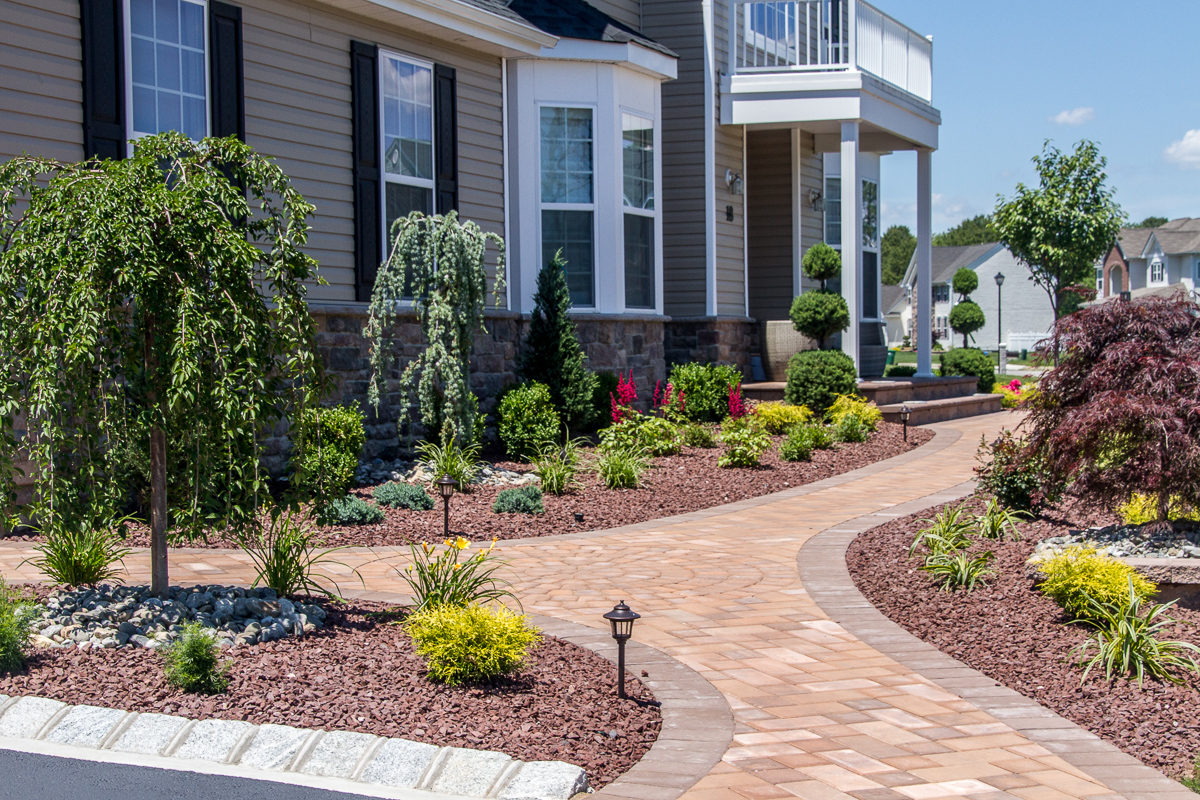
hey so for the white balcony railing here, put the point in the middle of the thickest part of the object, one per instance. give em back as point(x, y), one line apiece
point(829, 35)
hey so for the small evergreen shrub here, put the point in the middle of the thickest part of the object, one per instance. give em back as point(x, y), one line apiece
point(471, 644)
point(743, 444)
point(900, 371)
point(852, 430)
point(328, 444)
point(698, 435)
point(821, 263)
point(970, 361)
point(1021, 482)
point(16, 629)
point(819, 314)
point(349, 510)
point(403, 495)
point(705, 388)
point(528, 421)
point(519, 500)
point(867, 414)
point(815, 378)
point(798, 446)
point(779, 418)
point(1077, 577)
point(194, 662)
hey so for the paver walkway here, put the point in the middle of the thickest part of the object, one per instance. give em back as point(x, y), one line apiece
point(819, 714)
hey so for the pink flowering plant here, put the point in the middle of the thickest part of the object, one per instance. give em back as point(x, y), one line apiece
point(669, 403)
point(623, 400)
point(737, 406)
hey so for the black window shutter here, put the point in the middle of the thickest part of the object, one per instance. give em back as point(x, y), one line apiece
point(102, 33)
point(445, 137)
point(225, 70)
point(368, 212)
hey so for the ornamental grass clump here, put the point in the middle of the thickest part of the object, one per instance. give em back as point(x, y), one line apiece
point(285, 557)
point(959, 570)
point(16, 628)
point(194, 662)
point(945, 534)
point(459, 461)
point(80, 557)
point(446, 578)
point(998, 522)
point(621, 467)
point(1081, 578)
point(403, 495)
point(471, 644)
point(520, 500)
point(557, 467)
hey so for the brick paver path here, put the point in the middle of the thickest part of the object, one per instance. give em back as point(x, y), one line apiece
point(819, 715)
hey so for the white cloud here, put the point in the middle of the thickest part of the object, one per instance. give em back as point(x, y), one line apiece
point(1185, 152)
point(1074, 116)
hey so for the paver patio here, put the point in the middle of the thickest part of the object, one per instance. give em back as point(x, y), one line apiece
point(818, 713)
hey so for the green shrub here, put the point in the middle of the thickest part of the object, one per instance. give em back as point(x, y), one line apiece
point(697, 434)
point(868, 414)
point(966, 318)
point(970, 361)
point(519, 500)
point(821, 263)
point(960, 570)
point(459, 462)
point(1126, 641)
point(705, 389)
point(328, 444)
point(528, 421)
point(743, 444)
point(79, 558)
point(557, 467)
point(194, 662)
point(621, 467)
point(16, 628)
point(349, 510)
point(798, 446)
point(1017, 480)
point(780, 418)
point(281, 547)
point(815, 378)
point(470, 644)
point(965, 281)
point(1078, 577)
point(900, 371)
point(819, 314)
point(439, 580)
point(403, 495)
point(602, 394)
point(851, 430)
point(659, 436)
point(822, 436)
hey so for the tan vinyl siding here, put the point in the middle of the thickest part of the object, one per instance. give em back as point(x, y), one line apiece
point(769, 221)
point(731, 256)
point(678, 25)
point(298, 111)
point(812, 176)
point(41, 90)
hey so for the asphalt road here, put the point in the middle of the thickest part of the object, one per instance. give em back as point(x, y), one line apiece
point(29, 776)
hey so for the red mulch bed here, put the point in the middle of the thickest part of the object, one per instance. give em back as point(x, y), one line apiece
point(678, 484)
point(1014, 635)
point(360, 673)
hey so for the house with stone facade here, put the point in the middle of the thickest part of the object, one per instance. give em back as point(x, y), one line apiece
point(1152, 260)
point(683, 154)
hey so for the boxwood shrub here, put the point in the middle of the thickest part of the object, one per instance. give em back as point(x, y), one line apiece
point(815, 378)
point(970, 361)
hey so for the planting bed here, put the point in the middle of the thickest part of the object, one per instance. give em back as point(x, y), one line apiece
point(1014, 635)
point(360, 673)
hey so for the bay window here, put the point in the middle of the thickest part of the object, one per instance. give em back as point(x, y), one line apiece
point(568, 196)
point(637, 153)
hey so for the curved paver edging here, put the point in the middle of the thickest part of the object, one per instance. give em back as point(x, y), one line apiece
point(823, 571)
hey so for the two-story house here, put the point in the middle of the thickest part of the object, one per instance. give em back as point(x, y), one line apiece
point(1152, 259)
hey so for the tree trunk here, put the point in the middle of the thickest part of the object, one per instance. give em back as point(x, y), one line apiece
point(159, 581)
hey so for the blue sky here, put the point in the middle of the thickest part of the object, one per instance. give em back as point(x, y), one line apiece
point(1009, 75)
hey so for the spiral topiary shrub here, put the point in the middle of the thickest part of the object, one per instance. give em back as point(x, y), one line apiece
point(815, 378)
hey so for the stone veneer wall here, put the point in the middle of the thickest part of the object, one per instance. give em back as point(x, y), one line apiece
point(712, 340)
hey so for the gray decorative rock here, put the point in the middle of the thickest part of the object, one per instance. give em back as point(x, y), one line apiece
point(337, 754)
point(86, 726)
point(469, 772)
point(546, 780)
point(274, 747)
point(27, 716)
point(399, 763)
point(149, 734)
point(212, 739)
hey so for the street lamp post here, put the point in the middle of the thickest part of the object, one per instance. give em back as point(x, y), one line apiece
point(446, 486)
point(622, 628)
point(999, 313)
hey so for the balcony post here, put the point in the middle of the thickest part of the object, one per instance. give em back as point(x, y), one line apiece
point(851, 237)
point(923, 300)
point(852, 33)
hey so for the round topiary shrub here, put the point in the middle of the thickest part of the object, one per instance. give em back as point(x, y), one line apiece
point(528, 421)
point(822, 263)
point(966, 318)
point(815, 378)
point(970, 361)
point(820, 314)
point(402, 495)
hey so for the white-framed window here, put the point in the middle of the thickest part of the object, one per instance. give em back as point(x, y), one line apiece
point(568, 196)
point(406, 94)
point(1100, 281)
point(166, 72)
point(870, 217)
point(941, 293)
point(833, 212)
point(637, 157)
point(1158, 273)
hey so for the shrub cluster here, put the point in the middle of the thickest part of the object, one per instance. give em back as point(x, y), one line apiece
point(403, 495)
point(654, 436)
point(1018, 480)
point(848, 406)
point(16, 629)
point(815, 378)
point(745, 440)
point(328, 444)
point(528, 421)
point(471, 644)
point(706, 388)
point(519, 500)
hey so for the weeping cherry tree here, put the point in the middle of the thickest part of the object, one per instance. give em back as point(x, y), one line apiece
point(438, 263)
point(156, 306)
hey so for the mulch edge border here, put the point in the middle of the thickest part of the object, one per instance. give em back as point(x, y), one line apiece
point(697, 722)
point(822, 566)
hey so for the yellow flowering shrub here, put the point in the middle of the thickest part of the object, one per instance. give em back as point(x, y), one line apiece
point(780, 418)
point(847, 405)
point(471, 644)
point(1077, 573)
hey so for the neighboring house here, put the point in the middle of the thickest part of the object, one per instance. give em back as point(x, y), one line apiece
point(1146, 260)
point(682, 154)
point(1020, 307)
point(894, 301)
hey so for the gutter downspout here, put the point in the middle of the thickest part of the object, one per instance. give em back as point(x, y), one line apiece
point(710, 159)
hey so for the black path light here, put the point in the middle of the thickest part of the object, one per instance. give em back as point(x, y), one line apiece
point(905, 413)
point(622, 628)
point(447, 486)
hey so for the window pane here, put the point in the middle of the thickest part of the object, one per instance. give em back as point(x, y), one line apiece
point(194, 123)
point(168, 67)
point(870, 285)
point(143, 61)
point(193, 72)
point(566, 155)
point(637, 151)
point(166, 21)
point(192, 25)
point(407, 119)
point(141, 17)
point(170, 117)
point(870, 223)
point(639, 261)
point(402, 200)
point(167, 55)
point(145, 112)
point(833, 212)
point(571, 232)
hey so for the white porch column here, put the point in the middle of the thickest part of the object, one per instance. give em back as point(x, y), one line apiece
point(924, 295)
point(851, 237)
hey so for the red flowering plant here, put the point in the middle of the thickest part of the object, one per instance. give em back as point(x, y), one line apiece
point(669, 403)
point(737, 406)
point(623, 400)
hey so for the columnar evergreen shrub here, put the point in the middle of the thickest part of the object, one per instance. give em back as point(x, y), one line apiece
point(528, 421)
point(552, 354)
point(815, 378)
point(328, 444)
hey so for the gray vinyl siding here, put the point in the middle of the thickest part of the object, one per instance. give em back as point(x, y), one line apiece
point(298, 111)
point(812, 176)
point(678, 25)
point(626, 12)
point(769, 222)
point(41, 90)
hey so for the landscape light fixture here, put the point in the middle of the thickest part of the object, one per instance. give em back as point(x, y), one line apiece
point(733, 181)
point(579, 516)
point(999, 312)
point(905, 413)
point(446, 486)
point(621, 619)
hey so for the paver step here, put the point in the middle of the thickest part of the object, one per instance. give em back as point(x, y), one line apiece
point(924, 412)
point(905, 390)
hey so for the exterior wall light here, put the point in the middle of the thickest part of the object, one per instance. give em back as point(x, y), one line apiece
point(733, 181)
point(621, 619)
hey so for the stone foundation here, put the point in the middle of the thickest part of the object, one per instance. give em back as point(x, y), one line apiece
point(712, 340)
